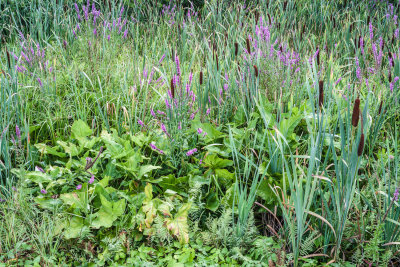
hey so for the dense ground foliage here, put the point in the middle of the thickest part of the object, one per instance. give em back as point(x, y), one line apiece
point(257, 133)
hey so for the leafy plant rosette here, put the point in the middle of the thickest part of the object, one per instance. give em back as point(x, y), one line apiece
point(103, 185)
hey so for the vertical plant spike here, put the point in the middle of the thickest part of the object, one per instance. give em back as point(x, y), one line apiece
point(318, 53)
point(201, 78)
point(356, 113)
point(321, 94)
point(216, 60)
point(255, 71)
point(172, 88)
point(380, 108)
point(8, 58)
point(248, 45)
point(236, 49)
point(361, 143)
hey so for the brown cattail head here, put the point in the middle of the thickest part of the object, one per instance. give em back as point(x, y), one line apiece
point(255, 71)
point(236, 49)
point(216, 60)
point(284, 5)
point(356, 113)
point(360, 145)
point(8, 58)
point(172, 88)
point(256, 16)
point(318, 57)
point(248, 45)
point(321, 94)
point(380, 108)
point(269, 19)
point(390, 76)
point(201, 78)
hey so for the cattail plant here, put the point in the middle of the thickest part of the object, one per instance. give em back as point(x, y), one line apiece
point(201, 78)
point(236, 49)
point(321, 94)
point(255, 71)
point(356, 112)
point(361, 143)
point(172, 88)
point(248, 45)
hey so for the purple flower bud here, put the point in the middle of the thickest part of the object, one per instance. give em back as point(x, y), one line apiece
point(200, 131)
point(43, 191)
point(141, 123)
point(40, 82)
point(125, 33)
point(191, 152)
point(396, 194)
point(38, 169)
point(79, 187)
point(91, 180)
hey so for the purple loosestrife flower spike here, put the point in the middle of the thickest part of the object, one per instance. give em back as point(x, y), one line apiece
point(79, 187)
point(396, 194)
point(40, 82)
point(141, 123)
point(199, 130)
point(191, 152)
point(161, 59)
point(18, 132)
point(43, 191)
point(125, 33)
point(91, 180)
point(371, 32)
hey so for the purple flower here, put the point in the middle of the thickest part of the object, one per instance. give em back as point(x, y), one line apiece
point(91, 180)
point(125, 33)
point(18, 132)
point(371, 32)
point(43, 191)
point(163, 128)
point(108, 37)
point(162, 58)
point(178, 67)
point(200, 131)
point(191, 152)
point(152, 113)
point(141, 123)
point(154, 147)
point(14, 189)
point(396, 194)
point(38, 169)
point(208, 111)
point(79, 187)
point(95, 32)
point(40, 82)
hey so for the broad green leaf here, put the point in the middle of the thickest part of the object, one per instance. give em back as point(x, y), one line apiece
point(45, 149)
point(80, 129)
point(215, 162)
point(108, 213)
point(74, 227)
point(178, 225)
point(69, 148)
point(144, 170)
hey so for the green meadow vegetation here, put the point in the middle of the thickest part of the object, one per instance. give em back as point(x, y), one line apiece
point(199, 133)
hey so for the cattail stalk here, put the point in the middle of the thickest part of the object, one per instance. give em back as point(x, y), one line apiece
point(380, 108)
point(236, 49)
point(356, 113)
point(321, 94)
point(361, 143)
point(255, 71)
point(172, 88)
point(248, 45)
